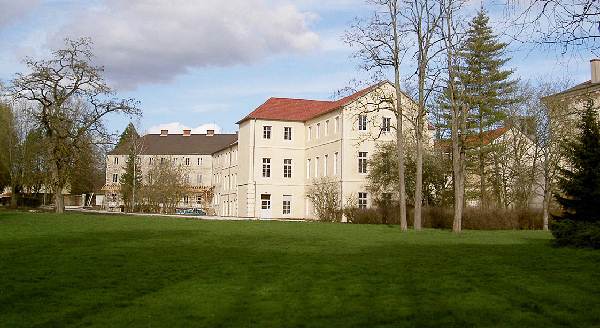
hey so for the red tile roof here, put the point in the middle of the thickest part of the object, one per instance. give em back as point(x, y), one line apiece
point(474, 140)
point(289, 109)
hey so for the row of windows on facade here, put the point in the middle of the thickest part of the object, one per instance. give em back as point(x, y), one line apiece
point(265, 202)
point(186, 179)
point(227, 181)
point(362, 126)
point(187, 161)
point(287, 166)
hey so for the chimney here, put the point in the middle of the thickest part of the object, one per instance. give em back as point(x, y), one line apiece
point(164, 133)
point(210, 133)
point(187, 133)
point(595, 63)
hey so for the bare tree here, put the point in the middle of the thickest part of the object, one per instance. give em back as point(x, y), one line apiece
point(422, 19)
point(165, 185)
point(569, 24)
point(71, 100)
point(326, 199)
point(379, 47)
point(458, 111)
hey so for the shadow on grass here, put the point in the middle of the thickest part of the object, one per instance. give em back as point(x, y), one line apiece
point(277, 278)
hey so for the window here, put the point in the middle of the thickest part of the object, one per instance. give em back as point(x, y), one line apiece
point(150, 161)
point(266, 168)
point(326, 128)
point(199, 160)
point(309, 132)
point(115, 178)
point(362, 162)
point(386, 124)
point(287, 204)
point(362, 122)
point(362, 200)
point(186, 179)
point(198, 179)
point(187, 161)
point(116, 161)
point(186, 199)
point(287, 133)
point(335, 163)
point(287, 168)
point(162, 160)
point(337, 124)
point(266, 132)
point(316, 167)
point(308, 168)
point(325, 165)
point(265, 201)
point(318, 130)
point(198, 199)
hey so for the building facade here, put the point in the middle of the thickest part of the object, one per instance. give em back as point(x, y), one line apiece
point(285, 146)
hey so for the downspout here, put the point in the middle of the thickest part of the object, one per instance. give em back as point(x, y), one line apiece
point(253, 160)
point(344, 219)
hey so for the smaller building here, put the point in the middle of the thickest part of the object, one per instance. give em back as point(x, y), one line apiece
point(191, 152)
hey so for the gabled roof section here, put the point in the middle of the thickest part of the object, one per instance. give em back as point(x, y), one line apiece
point(581, 88)
point(301, 110)
point(474, 140)
point(177, 144)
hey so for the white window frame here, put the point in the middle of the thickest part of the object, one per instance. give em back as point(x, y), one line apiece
point(266, 167)
point(318, 130)
point(337, 124)
point(363, 200)
point(335, 163)
point(116, 160)
point(326, 128)
point(386, 124)
point(317, 167)
point(362, 122)
point(286, 208)
point(115, 178)
point(287, 167)
point(308, 164)
point(325, 158)
point(267, 132)
point(287, 133)
point(362, 162)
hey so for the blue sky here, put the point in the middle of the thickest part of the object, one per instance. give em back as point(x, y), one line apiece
point(194, 64)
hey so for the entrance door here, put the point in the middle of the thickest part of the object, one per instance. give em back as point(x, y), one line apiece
point(265, 206)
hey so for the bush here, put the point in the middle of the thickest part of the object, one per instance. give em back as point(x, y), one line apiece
point(442, 217)
point(576, 234)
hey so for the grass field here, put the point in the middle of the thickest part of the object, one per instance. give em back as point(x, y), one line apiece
point(106, 271)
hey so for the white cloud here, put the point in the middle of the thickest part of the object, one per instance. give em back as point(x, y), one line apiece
point(12, 10)
point(178, 127)
point(141, 41)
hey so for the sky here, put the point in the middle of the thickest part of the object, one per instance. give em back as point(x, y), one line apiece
point(205, 64)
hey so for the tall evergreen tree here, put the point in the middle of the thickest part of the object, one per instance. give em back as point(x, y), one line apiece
point(129, 134)
point(486, 88)
point(580, 182)
point(131, 181)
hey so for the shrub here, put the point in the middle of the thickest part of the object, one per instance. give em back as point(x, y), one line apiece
point(364, 216)
point(577, 234)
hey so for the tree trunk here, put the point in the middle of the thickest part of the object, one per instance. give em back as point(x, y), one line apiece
point(13, 198)
point(457, 174)
point(59, 201)
point(400, 150)
point(418, 184)
point(547, 198)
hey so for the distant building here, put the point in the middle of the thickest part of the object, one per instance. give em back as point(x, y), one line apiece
point(282, 147)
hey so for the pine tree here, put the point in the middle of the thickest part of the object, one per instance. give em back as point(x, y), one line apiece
point(131, 180)
point(129, 134)
point(580, 183)
point(486, 88)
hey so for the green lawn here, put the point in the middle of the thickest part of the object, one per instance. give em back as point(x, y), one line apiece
point(91, 270)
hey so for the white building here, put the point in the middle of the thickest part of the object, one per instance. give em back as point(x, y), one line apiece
point(284, 144)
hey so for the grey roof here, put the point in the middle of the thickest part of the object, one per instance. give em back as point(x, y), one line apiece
point(177, 144)
point(586, 86)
